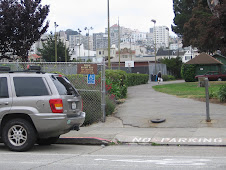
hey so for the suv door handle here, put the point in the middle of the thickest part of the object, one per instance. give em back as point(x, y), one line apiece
point(6, 103)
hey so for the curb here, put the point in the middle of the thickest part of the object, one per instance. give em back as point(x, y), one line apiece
point(172, 144)
point(83, 141)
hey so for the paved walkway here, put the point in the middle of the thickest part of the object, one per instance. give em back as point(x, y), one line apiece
point(185, 121)
point(144, 103)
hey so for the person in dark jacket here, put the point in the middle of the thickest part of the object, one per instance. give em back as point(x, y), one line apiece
point(159, 76)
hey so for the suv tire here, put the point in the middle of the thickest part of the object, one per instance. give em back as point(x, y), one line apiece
point(47, 141)
point(19, 135)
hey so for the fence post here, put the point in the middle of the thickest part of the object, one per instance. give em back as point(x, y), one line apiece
point(103, 90)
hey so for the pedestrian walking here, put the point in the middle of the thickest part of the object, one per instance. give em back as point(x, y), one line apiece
point(159, 77)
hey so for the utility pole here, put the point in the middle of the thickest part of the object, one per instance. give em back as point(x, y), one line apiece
point(168, 43)
point(130, 48)
point(109, 47)
point(154, 21)
point(86, 28)
point(55, 25)
point(119, 50)
point(79, 32)
point(65, 50)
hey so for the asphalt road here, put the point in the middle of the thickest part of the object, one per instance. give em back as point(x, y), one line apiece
point(66, 157)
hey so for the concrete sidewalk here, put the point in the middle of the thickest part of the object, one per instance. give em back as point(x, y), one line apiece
point(113, 132)
point(185, 122)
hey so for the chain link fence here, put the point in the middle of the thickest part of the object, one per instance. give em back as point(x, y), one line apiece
point(93, 95)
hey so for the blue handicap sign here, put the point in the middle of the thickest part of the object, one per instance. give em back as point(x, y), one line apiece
point(91, 79)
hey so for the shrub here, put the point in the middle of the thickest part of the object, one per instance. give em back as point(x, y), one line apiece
point(117, 80)
point(137, 79)
point(188, 72)
point(168, 77)
point(92, 106)
point(110, 104)
point(222, 93)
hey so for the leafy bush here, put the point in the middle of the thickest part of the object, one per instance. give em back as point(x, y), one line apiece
point(92, 106)
point(188, 72)
point(173, 65)
point(137, 79)
point(222, 93)
point(116, 80)
point(110, 104)
point(168, 77)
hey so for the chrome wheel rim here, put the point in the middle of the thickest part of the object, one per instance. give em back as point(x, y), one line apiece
point(17, 135)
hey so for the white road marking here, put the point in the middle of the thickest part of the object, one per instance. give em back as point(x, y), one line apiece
point(172, 162)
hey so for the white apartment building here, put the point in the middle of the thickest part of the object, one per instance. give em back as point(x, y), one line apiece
point(134, 36)
point(80, 52)
point(78, 40)
point(38, 44)
point(103, 52)
point(74, 40)
point(160, 35)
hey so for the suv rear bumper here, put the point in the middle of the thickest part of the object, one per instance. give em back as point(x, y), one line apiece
point(55, 124)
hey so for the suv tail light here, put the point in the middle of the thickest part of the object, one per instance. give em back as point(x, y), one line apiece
point(56, 105)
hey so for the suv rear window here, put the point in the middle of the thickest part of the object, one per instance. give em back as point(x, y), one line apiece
point(3, 88)
point(30, 86)
point(63, 86)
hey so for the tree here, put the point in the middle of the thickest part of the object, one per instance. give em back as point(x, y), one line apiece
point(173, 66)
point(219, 25)
point(198, 31)
point(48, 50)
point(21, 25)
point(198, 27)
point(183, 12)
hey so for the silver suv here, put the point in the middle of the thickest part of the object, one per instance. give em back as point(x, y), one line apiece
point(37, 107)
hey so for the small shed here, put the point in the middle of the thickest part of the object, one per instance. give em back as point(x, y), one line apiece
point(205, 63)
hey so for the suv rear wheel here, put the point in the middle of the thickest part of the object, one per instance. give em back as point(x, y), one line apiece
point(19, 135)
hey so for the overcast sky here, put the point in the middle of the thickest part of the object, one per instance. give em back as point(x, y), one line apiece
point(134, 14)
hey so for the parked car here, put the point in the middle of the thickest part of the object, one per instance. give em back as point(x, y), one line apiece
point(37, 107)
point(213, 76)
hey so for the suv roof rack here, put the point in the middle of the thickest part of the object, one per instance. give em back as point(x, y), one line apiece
point(30, 69)
point(27, 71)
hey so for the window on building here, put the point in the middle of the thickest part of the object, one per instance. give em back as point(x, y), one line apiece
point(187, 57)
